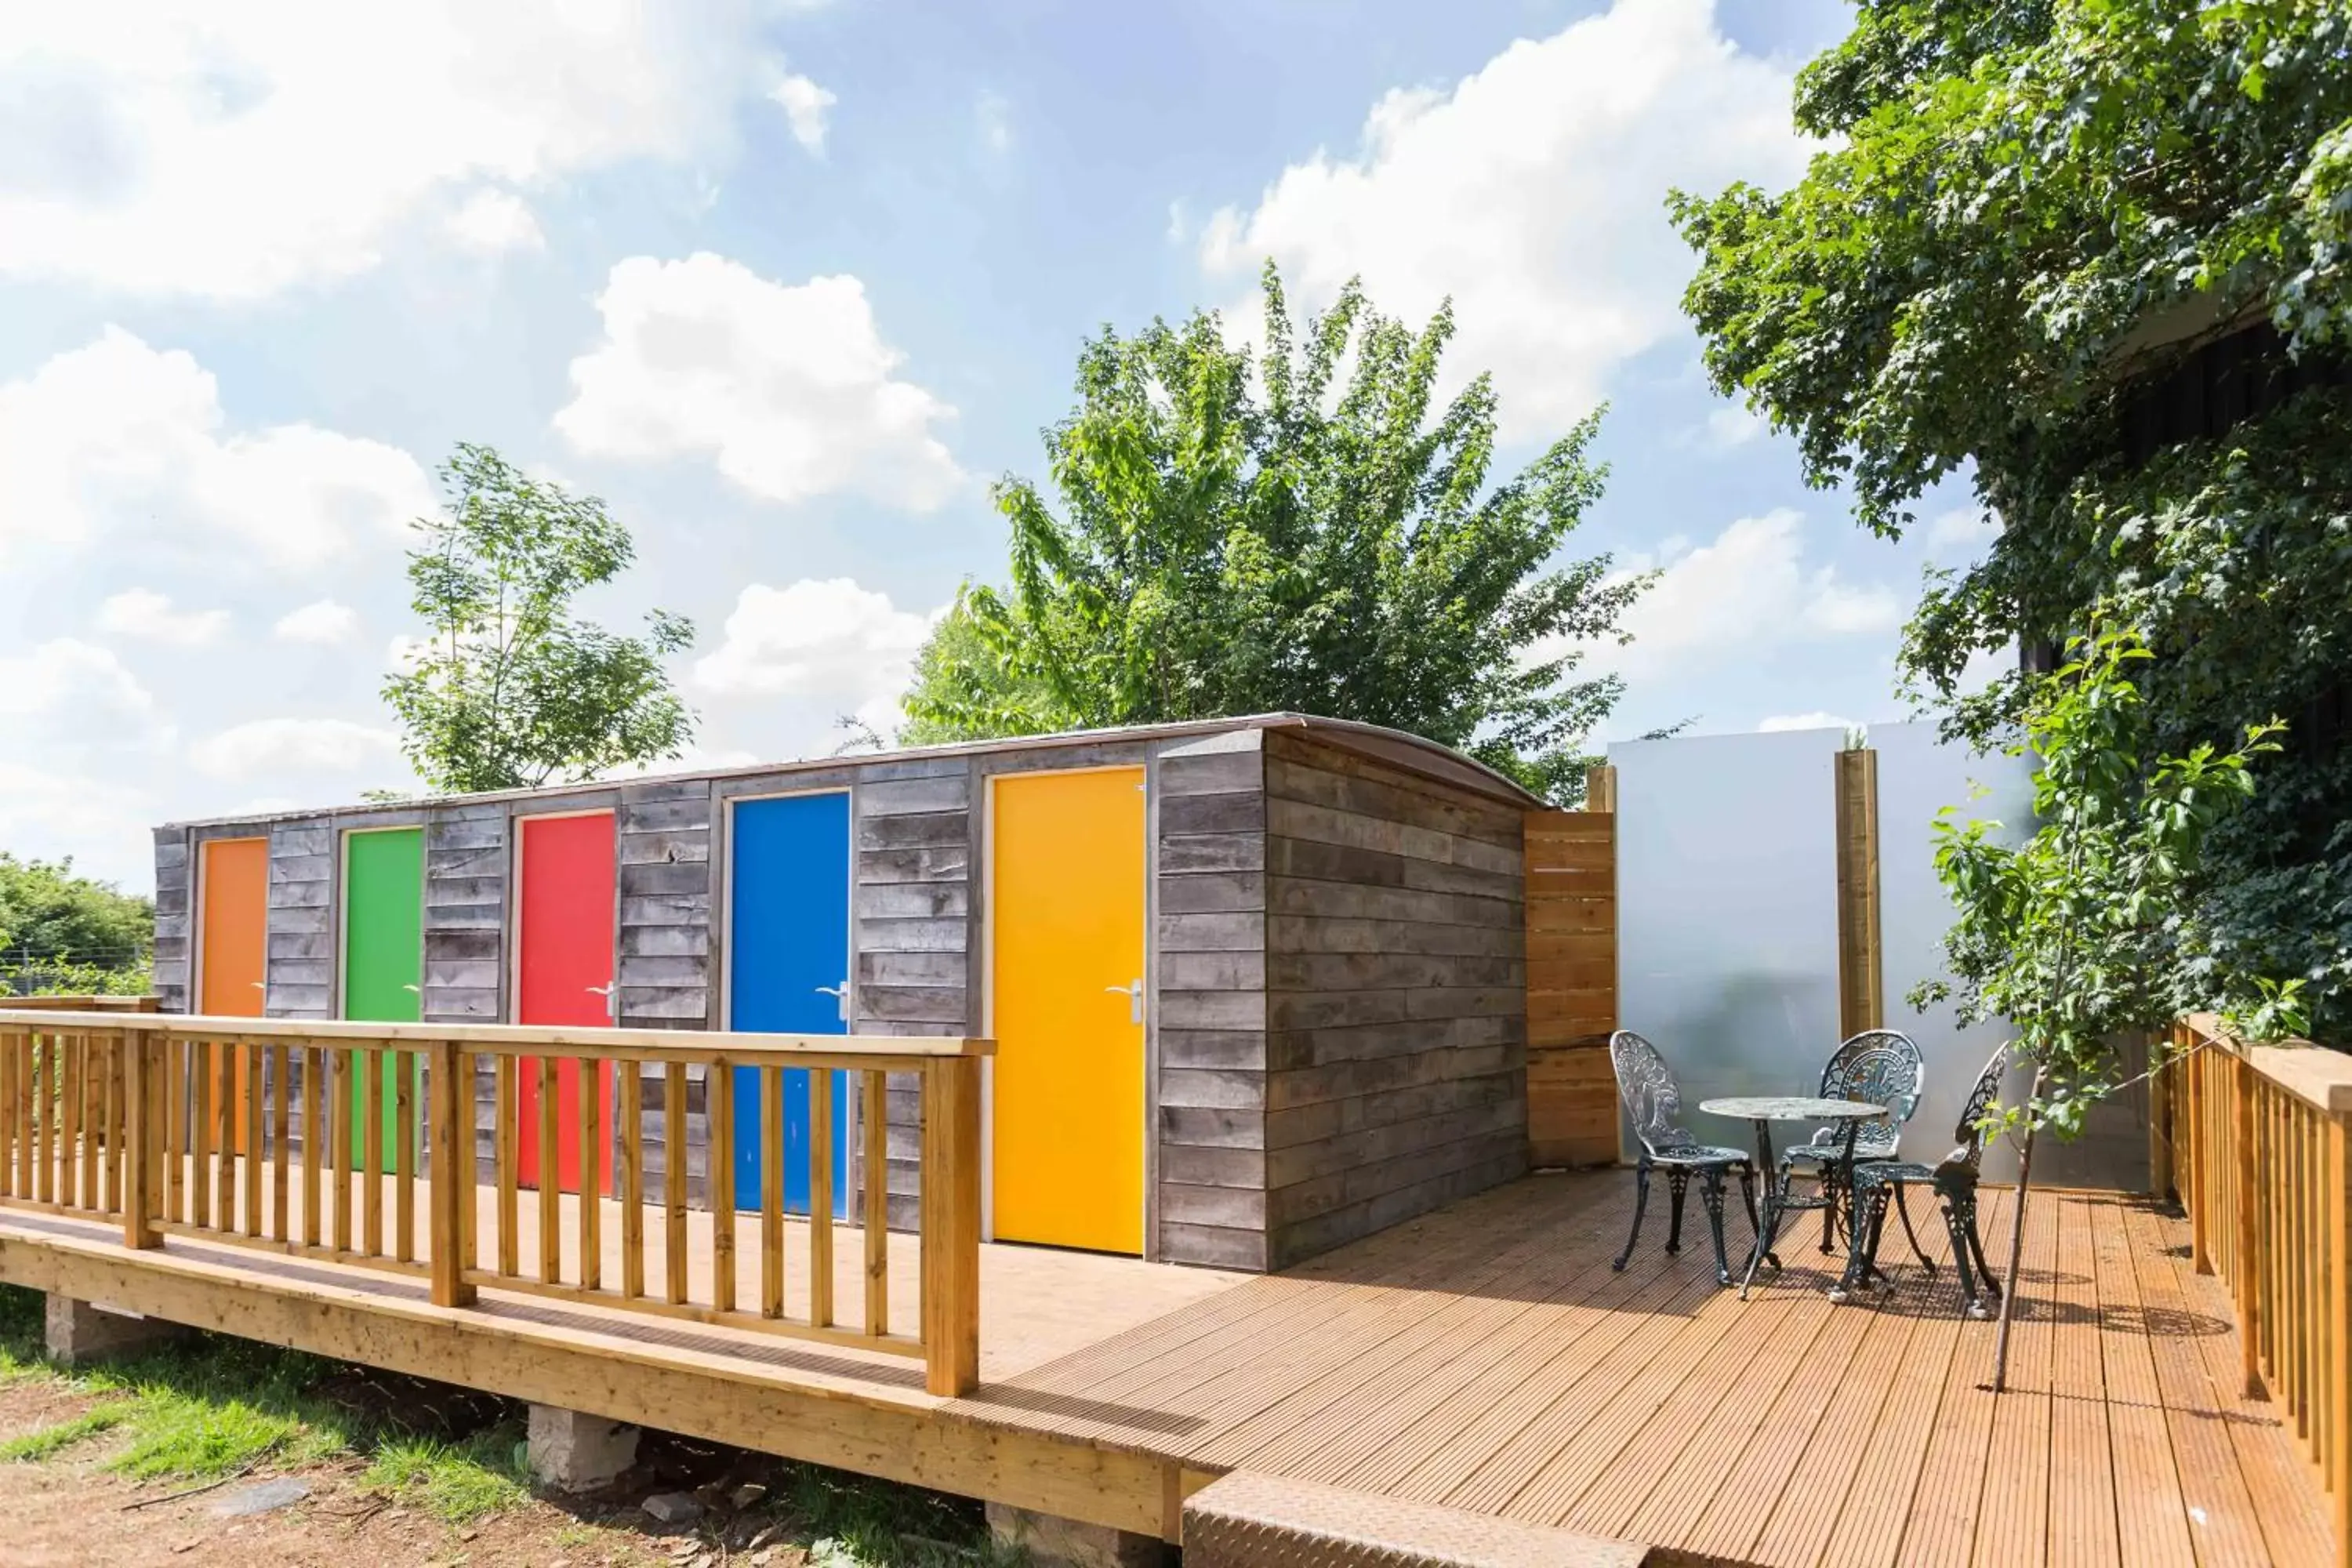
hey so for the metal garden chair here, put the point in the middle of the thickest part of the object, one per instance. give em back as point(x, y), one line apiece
point(1882, 1067)
point(1646, 1084)
point(1954, 1179)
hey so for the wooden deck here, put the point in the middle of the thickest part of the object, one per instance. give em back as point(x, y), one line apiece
point(1484, 1358)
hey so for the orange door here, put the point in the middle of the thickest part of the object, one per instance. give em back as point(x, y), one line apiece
point(231, 952)
point(1066, 1157)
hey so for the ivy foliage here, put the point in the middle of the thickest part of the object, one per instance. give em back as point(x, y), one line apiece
point(1304, 528)
point(507, 689)
point(2024, 210)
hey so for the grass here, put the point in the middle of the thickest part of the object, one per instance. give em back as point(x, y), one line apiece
point(455, 1483)
point(37, 1445)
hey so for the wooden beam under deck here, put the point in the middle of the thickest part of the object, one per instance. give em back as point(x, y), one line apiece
point(851, 1418)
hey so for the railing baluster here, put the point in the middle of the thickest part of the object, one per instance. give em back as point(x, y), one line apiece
point(450, 1132)
point(253, 1113)
point(315, 1138)
point(11, 1136)
point(874, 1096)
point(718, 1165)
point(505, 1074)
point(282, 1128)
point(70, 1139)
point(675, 1176)
point(632, 1114)
point(110, 1141)
point(551, 1176)
point(772, 1192)
point(403, 1157)
point(591, 1173)
point(821, 1135)
point(142, 1141)
point(371, 1064)
point(228, 1132)
point(200, 1143)
point(340, 1113)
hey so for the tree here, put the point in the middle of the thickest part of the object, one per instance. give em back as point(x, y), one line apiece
point(1241, 533)
point(60, 931)
point(507, 690)
point(2027, 216)
point(2066, 936)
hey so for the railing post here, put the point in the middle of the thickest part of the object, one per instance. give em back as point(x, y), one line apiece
point(143, 1136)
point(449, 1135)
point(2338, 1328)
point(2246, 1262)
point(951, 1221)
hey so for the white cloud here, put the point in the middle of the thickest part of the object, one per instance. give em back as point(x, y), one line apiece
point(1531, 192)
point(68, 679)
point(1964, 531)
point(492, 221)
point(323, 622)
point(119, 438)
point(1733, 425)
point(789, 388)
point(1740, 595)
point(804, 105)
point(238, 148)
point(148, 616)
point(827, 638)
point(96, 818)
point(1814, 720)
point(994, 116)
point(265, 747)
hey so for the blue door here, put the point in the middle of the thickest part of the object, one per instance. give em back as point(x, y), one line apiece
point(788, 936)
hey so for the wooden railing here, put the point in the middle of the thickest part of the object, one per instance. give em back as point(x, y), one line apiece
point(79, 1004)
point(2260, 1158)
point(201, 1127)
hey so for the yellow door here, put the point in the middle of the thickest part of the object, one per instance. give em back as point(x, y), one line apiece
point(1068, 1084)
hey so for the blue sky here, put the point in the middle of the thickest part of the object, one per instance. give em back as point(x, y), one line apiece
point(788, 285)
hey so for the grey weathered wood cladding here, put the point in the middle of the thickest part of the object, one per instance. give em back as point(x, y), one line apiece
point(1335, 956)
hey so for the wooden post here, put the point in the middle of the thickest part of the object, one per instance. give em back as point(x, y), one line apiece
point(1601, 787)
point(1862, 994)
point(2246, 1265)
point(2159, 1118)
point(2338, 1328)
point(951, 1220)
point(142, 1142)
point(449, 1133)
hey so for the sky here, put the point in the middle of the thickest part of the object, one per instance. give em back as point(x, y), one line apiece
point(789, 283)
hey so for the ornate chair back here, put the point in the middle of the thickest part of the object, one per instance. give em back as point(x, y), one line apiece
point(1647, 1085)
point(1883, 1066)
point(1968, 1157)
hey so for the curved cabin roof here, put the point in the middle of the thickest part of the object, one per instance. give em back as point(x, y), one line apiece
point(1393, 747)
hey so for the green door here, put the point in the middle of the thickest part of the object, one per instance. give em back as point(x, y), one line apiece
point(384, 957)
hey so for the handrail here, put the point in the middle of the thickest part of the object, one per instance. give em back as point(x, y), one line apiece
point(697, 1043)
point(110, 1005)
point(2260, 1139)
point(357, 1142)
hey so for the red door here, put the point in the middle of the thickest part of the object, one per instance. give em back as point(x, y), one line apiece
point(565, 974)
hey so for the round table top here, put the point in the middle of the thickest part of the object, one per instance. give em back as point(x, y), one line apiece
point(1789, 1108)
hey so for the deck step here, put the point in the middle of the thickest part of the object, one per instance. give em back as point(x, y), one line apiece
point(1251, 1520)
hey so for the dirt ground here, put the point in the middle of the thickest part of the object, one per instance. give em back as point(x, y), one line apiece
point(67, 1512)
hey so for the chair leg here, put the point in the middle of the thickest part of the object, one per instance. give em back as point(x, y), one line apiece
point(1958, 1227)
point(1828, 1185)
point(1710, 1192)
point(1677, 1183)
point(1862, 1258)
point(1902, 1211)
point(1976, 1245)
point(1641, 1201)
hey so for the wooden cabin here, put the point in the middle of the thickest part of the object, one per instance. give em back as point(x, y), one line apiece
point(1258, 986)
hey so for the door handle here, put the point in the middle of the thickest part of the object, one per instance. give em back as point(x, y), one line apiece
point(1133, 992)
point(610, 992)
point(840, 994)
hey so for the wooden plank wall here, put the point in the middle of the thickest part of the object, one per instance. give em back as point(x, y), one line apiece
point(1862, 987)
point(1571, 868)
point(662, 843)
point(1396, 982)
point(302, 958)
point(174, 946)
point(1210, 1008)
point(914, 904)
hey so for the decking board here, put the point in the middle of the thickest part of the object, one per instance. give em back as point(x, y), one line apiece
point(1483, 1356)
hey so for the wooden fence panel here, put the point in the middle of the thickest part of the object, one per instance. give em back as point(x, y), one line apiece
point(1572, 904)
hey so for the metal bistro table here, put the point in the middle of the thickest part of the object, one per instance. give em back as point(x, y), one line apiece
point(1764, 1111)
